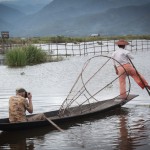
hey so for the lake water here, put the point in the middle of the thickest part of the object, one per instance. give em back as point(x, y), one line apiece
point(125, 129)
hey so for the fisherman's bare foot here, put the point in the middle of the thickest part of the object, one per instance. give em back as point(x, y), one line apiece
point(123, 97)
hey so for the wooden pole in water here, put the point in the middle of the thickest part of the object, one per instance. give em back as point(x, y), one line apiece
point(57, 127)
point(54, 124)
point(139, 76)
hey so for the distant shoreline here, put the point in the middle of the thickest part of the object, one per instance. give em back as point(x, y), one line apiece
point(67, 39)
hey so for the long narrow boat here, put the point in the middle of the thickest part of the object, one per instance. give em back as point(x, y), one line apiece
point(71, 114)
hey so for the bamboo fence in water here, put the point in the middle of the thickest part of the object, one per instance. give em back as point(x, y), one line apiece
point(82, 48)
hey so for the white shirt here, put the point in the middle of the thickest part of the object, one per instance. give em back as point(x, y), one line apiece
point(121, 55)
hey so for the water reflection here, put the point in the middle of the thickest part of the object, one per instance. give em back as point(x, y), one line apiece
point(22, 145)
point(121, 129)
point(28, 139)
point(22, 140)
point(125, 140)
point(132, 135)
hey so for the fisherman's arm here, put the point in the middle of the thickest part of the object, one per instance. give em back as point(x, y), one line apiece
point(30, 105)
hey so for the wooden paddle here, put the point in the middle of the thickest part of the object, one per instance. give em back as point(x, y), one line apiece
point(139, 76)
point(54, 124)
point(57, 127)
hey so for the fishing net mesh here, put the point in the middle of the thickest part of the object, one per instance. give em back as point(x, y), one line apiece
point(96, 82)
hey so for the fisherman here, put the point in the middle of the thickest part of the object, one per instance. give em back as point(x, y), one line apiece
point(19, 104)
point(124, 68)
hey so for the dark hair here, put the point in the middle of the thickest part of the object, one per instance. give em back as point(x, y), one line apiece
point(121, 46)
point(20, 90)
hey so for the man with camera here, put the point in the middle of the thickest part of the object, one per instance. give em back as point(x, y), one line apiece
point(19, 104)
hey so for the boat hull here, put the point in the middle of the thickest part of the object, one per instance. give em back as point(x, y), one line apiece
point(98, 108)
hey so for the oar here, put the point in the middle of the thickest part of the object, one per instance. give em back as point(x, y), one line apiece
point(54, 124)
point(139, 76)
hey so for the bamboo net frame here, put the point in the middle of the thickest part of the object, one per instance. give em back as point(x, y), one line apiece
point(80, 94)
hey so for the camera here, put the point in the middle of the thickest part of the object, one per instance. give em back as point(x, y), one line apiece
point(26, 94)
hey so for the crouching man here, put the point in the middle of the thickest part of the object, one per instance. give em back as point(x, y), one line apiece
point(18, 105)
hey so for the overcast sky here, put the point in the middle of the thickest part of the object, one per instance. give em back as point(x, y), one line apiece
point(6, 0)
point(21, 0)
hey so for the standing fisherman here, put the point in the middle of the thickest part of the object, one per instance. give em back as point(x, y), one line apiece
point(124, 67)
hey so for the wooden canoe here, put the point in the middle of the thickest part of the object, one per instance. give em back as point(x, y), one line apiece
point(95, 108)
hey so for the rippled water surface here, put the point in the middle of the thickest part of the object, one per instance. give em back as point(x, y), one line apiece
point(125, 129)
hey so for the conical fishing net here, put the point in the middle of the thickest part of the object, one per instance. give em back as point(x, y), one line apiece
point(96, 82)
